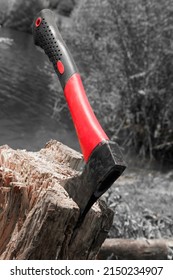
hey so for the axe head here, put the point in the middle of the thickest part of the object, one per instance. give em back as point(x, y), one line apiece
point(102, 169)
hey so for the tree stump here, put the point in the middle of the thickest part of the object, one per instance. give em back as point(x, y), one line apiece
point(38, 218)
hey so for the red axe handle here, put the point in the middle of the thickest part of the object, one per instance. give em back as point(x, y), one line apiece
point(47, 36)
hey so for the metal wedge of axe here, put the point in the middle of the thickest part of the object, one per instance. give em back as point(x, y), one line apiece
point(103, 159)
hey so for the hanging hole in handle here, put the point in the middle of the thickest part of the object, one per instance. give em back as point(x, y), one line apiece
point(38, 21)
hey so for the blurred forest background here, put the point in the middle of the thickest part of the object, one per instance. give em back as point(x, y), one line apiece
point(124, 51)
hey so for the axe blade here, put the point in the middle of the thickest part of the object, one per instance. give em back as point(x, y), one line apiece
point(103, 168)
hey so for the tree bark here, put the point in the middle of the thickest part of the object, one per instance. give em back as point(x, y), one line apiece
point(140, 249)
point(38, 218)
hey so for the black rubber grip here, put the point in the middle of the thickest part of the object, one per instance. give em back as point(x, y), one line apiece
point(47, 36)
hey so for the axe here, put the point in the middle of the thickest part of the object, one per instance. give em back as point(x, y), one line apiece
point(103, 159)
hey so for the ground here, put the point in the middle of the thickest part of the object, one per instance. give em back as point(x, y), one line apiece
point(142, 202)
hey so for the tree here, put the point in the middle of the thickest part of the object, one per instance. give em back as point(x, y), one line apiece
point(125, 51)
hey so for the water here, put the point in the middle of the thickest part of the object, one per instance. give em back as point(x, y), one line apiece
point(27, 119)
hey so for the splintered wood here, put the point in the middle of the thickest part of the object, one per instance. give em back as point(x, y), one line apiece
point(38, 218)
